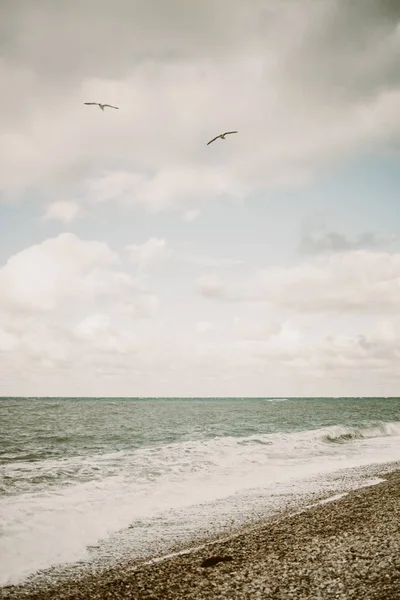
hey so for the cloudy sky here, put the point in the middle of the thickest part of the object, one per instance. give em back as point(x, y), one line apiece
point(136, 260)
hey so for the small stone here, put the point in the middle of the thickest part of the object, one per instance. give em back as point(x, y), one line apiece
point(214, 560)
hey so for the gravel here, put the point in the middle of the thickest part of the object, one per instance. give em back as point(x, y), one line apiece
point(345, 549)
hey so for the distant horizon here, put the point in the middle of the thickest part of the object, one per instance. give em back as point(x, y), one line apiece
point(194, 397)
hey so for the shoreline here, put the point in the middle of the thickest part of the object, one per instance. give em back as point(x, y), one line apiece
point(342, 546)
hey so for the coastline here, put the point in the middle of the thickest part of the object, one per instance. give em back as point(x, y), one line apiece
point(345, 547)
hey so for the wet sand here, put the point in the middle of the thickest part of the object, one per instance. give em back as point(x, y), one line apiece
point(345, 549)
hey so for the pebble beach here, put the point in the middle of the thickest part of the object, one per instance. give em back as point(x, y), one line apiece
point(348, 548)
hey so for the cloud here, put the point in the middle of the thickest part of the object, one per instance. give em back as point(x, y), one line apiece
point(255, 330)
point(337, 355)
point(306, 84)
point(98, 331)
point(355, 281)
point(142, 30)
point(67, 275)
point(210, 286)
point(203, 327)
point(44, 275)
point(351, 29)
point(102, 355)
point(154, 250)
point(151, 30)
point(65, 305)
point(191, 214)
point(350, 281)
point(62, 211)
point(8, 341)
point(145, 304)
point(167, 189)
point(378, 349)
point(337, 242)
point(285, 343)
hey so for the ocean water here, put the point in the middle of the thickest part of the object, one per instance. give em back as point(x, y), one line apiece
point(100, 479)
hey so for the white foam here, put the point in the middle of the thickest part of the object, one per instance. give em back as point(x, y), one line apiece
point(56, 525)
point(330, 499)
point(274, 399)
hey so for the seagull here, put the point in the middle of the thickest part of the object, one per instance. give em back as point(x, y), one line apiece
point(102, 106)
point(222, 136)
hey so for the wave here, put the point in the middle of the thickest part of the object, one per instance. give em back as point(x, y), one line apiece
point(275, 399)
point(342, 435)
point(64, 506)
point(208, 456)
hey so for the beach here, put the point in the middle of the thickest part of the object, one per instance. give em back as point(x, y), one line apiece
point(345, 548)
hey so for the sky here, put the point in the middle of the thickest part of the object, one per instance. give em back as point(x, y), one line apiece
point(136, 260)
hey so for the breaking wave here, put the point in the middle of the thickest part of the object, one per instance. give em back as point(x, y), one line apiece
point(52, 511)
point(341, 435)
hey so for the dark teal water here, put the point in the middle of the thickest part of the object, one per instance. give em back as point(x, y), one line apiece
point(38, 429)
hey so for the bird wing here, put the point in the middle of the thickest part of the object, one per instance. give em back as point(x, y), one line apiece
point(228, 132)
point(110, 106)
point(90, 103)
point(213, 140)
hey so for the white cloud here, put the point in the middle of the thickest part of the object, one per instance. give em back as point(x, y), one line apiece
point(98, 331)
point(8, 341)
point(340, 356)
point(66, 298)
point(168, 189)
point(155, 249)
point(210, 286)
point(191, 214)
point(287, 342)
point(351, 281)
point(145, 304)
point(68, 276)
point(44, 275)
point(102, 355)
point(255, 330)
point(342, 352)
point(62, 211)
point(204, 326)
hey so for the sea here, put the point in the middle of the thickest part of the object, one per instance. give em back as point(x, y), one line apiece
point(91, 481)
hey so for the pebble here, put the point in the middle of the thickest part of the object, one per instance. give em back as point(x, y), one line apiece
point(345, 549)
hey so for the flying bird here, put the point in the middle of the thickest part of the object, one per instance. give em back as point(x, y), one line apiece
point(222, 136)
point(102, 106)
